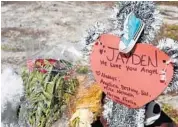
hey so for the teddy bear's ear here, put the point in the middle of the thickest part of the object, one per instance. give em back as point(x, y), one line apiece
point(153, 112)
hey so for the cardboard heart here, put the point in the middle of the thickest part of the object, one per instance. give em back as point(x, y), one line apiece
point(132, 79)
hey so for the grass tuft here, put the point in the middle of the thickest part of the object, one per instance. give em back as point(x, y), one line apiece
point(167, 31)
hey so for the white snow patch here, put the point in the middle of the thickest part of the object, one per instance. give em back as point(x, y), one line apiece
point(11, 91)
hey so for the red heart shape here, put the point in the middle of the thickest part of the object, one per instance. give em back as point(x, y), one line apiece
point(132, 80)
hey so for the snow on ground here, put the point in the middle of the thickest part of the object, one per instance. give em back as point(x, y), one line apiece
point(11, 91)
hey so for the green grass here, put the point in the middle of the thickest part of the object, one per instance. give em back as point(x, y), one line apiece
point(171, 31)
point(171, 112)
point(10, 48)
point(167, 31)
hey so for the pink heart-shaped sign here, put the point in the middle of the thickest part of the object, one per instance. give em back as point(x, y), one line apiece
point(133, 79)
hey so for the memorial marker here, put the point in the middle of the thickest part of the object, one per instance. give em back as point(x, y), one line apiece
point(132, 79)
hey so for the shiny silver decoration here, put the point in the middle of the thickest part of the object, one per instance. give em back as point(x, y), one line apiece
point(170, 47)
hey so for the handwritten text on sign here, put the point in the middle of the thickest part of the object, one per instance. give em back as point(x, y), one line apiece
point(132, 80)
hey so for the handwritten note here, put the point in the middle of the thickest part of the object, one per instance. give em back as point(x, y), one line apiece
point(132, 79)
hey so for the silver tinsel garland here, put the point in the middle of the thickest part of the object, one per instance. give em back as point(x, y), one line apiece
point(118, 115)
point(170, 47)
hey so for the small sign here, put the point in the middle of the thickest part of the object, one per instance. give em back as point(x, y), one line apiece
point(133, 79)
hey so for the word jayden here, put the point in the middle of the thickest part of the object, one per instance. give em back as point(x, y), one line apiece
point(135, 59)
